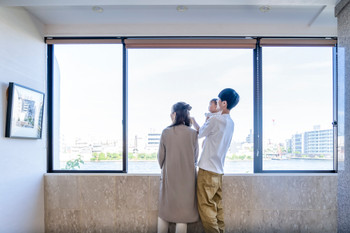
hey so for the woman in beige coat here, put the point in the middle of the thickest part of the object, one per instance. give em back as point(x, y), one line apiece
point(177, 157)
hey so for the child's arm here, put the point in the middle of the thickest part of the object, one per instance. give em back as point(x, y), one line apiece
point(195, 124)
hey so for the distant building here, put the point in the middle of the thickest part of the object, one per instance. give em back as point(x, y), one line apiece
point(153, 141)
point(82, 146)
point(97, 147)
point(250, 137)
point(315, 142)
point(297, 144)
point(135, 149)
point(289, 145)
point(318, 142)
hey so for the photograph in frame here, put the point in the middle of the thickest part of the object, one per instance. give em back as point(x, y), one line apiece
point(25, 108)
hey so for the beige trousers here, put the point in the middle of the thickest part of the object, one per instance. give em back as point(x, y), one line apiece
point(209, 196)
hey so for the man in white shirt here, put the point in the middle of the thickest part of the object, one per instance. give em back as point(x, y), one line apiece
point(218, 131)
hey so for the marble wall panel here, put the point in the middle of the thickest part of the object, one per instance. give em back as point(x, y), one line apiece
point(252, 203)
point(62, 221)
point(132, 192)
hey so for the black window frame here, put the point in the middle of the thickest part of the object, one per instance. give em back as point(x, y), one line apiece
point(257, 105)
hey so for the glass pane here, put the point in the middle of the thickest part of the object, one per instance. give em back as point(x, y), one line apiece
point(88, 107)
point(297, 108)
point(158, 78)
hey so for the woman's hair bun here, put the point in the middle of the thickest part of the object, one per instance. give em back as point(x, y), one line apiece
point(181, 106)
point(188, 107)
point(182, 114)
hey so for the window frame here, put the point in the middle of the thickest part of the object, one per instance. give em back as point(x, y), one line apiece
point(257, 96)
point(258, 103)
point(50, 96)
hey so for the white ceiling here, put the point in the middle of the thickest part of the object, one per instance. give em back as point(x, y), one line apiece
point(163, 2)
point(302, 15)
point(205, 17)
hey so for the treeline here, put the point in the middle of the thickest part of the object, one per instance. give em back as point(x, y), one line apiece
point(118, 156)
point(239, 157)
point(144, 156)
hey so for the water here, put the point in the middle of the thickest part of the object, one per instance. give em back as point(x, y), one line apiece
point(246, 166)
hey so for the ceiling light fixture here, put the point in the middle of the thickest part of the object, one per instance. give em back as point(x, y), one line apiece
point(97, 9)
point(265, 9)
point(181, 8)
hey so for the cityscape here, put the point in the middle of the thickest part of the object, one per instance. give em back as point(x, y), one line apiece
point(314, 144)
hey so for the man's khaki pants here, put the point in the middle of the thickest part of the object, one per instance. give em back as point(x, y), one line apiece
point(209, 196)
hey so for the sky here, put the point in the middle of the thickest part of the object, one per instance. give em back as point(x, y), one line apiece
point(297, 88)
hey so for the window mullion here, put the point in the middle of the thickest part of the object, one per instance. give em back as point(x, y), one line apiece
point(257, 64)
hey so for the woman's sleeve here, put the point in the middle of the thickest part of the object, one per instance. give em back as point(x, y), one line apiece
point(196, 149)
point(161, 151)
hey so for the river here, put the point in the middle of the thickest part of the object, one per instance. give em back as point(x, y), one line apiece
point(243, 166)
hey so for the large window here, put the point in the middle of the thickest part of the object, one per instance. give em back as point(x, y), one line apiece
point(297, 108)
point(88, 107)
point(158, 78)
point(111, 100)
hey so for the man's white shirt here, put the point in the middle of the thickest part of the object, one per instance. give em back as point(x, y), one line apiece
point(218, 131)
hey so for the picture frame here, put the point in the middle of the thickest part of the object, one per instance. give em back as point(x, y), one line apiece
point(25, 110)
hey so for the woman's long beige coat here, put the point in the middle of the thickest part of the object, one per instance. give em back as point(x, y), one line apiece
point(177, 156)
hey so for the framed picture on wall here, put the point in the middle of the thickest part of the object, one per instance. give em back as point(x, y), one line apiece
point(25, 108)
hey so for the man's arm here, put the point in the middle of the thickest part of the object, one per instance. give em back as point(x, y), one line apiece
point(207, 128)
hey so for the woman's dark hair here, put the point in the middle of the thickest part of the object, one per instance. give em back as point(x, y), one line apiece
point(182, 111)
point(230, 96)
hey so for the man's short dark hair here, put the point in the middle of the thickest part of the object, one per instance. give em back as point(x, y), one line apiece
point(230, 96)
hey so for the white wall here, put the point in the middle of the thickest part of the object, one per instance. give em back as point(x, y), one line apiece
point(188, 30)
point(22, 161)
